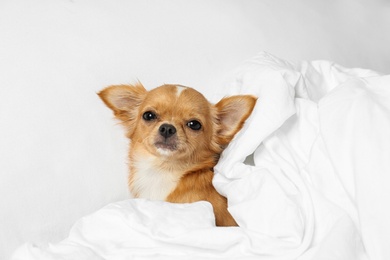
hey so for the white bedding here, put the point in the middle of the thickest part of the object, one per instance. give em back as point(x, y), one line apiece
point(318, 190)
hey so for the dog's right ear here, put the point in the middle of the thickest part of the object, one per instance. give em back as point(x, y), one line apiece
point(124, 100)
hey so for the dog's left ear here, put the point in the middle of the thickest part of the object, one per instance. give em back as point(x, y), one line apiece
point(232, 113)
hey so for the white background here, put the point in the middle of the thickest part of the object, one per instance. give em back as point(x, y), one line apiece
point(62, 155)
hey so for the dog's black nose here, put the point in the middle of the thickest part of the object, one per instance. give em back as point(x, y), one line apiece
point(167, 130)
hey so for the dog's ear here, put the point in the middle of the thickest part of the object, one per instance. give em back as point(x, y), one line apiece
point(232, 113)
point(124, 100)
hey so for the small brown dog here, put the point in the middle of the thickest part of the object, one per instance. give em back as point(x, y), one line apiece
point(176, 138)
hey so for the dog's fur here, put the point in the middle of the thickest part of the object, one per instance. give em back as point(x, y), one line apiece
point(171, 155)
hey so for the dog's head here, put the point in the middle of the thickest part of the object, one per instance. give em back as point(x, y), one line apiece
point(176, 122)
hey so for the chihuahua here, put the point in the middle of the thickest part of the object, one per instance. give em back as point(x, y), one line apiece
point(176, 138)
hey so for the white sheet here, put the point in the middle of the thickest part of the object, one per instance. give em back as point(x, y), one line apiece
point(318, 190)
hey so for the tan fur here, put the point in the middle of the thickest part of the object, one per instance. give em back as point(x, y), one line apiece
point(182, 163)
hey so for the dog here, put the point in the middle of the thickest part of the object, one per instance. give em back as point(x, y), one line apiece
point(176, 138)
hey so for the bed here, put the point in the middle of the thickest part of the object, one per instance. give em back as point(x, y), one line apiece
point(306, 178)
point(316, 188)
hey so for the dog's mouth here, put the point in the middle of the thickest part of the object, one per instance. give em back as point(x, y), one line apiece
point(166, 148)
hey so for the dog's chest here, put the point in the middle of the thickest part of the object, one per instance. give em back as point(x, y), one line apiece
point(151, 183)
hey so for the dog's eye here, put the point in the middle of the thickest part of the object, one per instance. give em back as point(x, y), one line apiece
point(149, 116)
point(194, 125)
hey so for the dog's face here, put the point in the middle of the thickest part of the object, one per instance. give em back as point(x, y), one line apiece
point(174, 122)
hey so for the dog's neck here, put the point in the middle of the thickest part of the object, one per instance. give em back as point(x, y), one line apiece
point(154, 178)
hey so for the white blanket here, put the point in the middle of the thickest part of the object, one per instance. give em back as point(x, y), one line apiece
point(319, 187)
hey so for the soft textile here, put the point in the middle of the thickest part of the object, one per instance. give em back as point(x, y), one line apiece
point(318, 189)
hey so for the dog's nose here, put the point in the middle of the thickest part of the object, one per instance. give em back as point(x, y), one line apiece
point(167, 130)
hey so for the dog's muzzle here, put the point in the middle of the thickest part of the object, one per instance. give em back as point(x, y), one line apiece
point(167, 139)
